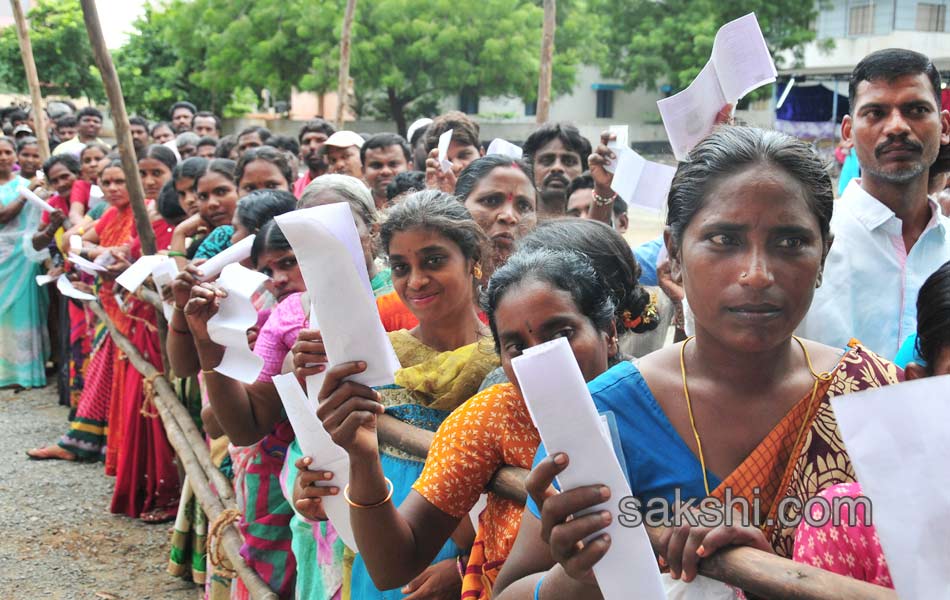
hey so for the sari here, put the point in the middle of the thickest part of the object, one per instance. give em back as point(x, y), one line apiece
point(799, 458)
point(24, 338)
point(428, 387)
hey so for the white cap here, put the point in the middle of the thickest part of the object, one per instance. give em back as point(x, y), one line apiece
point(416, 125)
point(344, 139)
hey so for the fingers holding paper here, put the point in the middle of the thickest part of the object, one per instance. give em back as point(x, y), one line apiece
point(308, 494)
point(204, 303)
point(309, 353)
point(348, 410)
point(436, 178)
point(186, 279)
point(725, 115)
point(598, 161)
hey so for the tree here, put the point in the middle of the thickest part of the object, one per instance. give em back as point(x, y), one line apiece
point(670, 41)
point(61, 49)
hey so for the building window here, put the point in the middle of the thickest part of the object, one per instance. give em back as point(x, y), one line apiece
point(861, 20)
point(531, 108)
point(605, 104)
point(931, 17)
point(468, 102)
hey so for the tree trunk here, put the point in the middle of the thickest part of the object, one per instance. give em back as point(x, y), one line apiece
point(32, 79)
point(547, 55)
point(397, 110)
point(343, 85)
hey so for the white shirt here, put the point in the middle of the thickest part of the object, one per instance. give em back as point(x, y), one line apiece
point(870, 283)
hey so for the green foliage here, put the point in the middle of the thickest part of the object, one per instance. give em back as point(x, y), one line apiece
point(650, 42)
point(64, 60)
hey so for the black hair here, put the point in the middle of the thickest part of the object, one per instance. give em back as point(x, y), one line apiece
point(182, 104)
point(26, 141)
point(267, 154)
point(439, 212)
point(285, 143)
point(156, 126)
point(114, 163)
point(67, 121)
point(96, 146)
point(729, 150)
point(138, 121)
point(563, 269)
point(66, 159)
point(9, 140)
point(17, 114)
point(205, 114)
point(481, 167)
point(262, 132)
point(569, 135)
point(318, 125)
point(889, 64)
point(225, 146)
point(407, 181)
point(160, 153)
point(584, 181)
point(611, 257)
point(167, 203)
point(933, 316)
point(385, 140)
point(88, 111)
point(269, 238)
point(465, 130)
point(221, 166)
point(207, 141)
point(190, 168)
point(260, 206)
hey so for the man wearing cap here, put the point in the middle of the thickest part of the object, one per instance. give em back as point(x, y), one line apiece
point(342, 150)
point(416, 136)
point(22, 131)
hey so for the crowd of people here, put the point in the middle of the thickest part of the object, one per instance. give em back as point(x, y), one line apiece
point(717, 347)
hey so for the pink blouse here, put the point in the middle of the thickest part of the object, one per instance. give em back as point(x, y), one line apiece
point(278, 335)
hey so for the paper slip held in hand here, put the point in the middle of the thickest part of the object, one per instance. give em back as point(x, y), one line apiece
point(316, 443)
point(621, 140)
point(33, 198)
point(564, 413)
point(75, 243)
point(641, 182)
point(504, 148)
point(236, 314)
point(740, 63)
point(163, 275)
point(66, 288)
point(444, 140)
point(896, 438)
point(86, 266)
point(44, 279)
point(328, 249)
point(236, 253)
point(133, 277)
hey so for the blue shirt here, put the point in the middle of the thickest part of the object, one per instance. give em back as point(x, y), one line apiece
point(658, 460)
point(908, 353)
point(647, 254)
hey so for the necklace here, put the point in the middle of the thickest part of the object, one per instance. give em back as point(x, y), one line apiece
point(819, 377)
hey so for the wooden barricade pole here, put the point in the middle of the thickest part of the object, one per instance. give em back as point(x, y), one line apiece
point(343, 84)
point(32, 78)
point(547, 58)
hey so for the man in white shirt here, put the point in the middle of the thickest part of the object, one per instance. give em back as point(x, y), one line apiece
point(889, 235)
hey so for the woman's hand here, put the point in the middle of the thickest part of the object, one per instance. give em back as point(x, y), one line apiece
point(184, 281)
point(307, 494)
point(204, 303)
point(191, 226)
point(438, 581)
point(560, 530)
point(598, 162)
point(349, 410)
point(436, 179)
point(683, 546)
point(56, 220)
point(309, 353)
point(120, 264)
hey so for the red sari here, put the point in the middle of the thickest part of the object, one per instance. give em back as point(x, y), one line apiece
point(146, 475)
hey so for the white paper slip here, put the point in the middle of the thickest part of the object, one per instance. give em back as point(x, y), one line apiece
point(163, 275)
point(133, 277)
point(105, 259)
point(235, 253)
point(44, 279)
point(33, 198)
point(504, 148)
point(641, 182)
point(236, 314)
point(75, 243)
point(328, 249)
point(316, 443)
point(87, 266)
point(622, 140)
point(66, 288)
point(896, 438)
point(740, 63)
point(444, 140)
point(563, 411)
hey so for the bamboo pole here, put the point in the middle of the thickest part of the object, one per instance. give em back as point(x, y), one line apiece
point(343, 84)
point(547, 57)
point(32, 78)
point(120, 118)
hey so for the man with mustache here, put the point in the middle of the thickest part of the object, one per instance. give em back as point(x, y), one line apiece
point(384, 156)
point(312, 136)
point(558, 152)
point(889, 236)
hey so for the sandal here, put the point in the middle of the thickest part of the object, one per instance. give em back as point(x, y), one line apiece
point(158, 516)
point(53, 452)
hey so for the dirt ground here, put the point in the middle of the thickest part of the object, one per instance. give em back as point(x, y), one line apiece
point(57, 537)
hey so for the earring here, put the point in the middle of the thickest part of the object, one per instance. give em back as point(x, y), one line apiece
point(818, 281)
point(477, 271)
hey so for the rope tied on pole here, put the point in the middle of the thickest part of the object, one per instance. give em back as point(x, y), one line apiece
point(149, 410)
point(221, 564)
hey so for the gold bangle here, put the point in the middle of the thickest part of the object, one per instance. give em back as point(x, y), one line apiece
point(208, 371)
point(346, 496)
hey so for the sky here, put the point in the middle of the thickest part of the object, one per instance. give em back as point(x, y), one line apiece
point(117, 17)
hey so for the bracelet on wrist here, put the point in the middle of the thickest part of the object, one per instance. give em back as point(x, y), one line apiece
point(604, 200)
point(346, 496)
